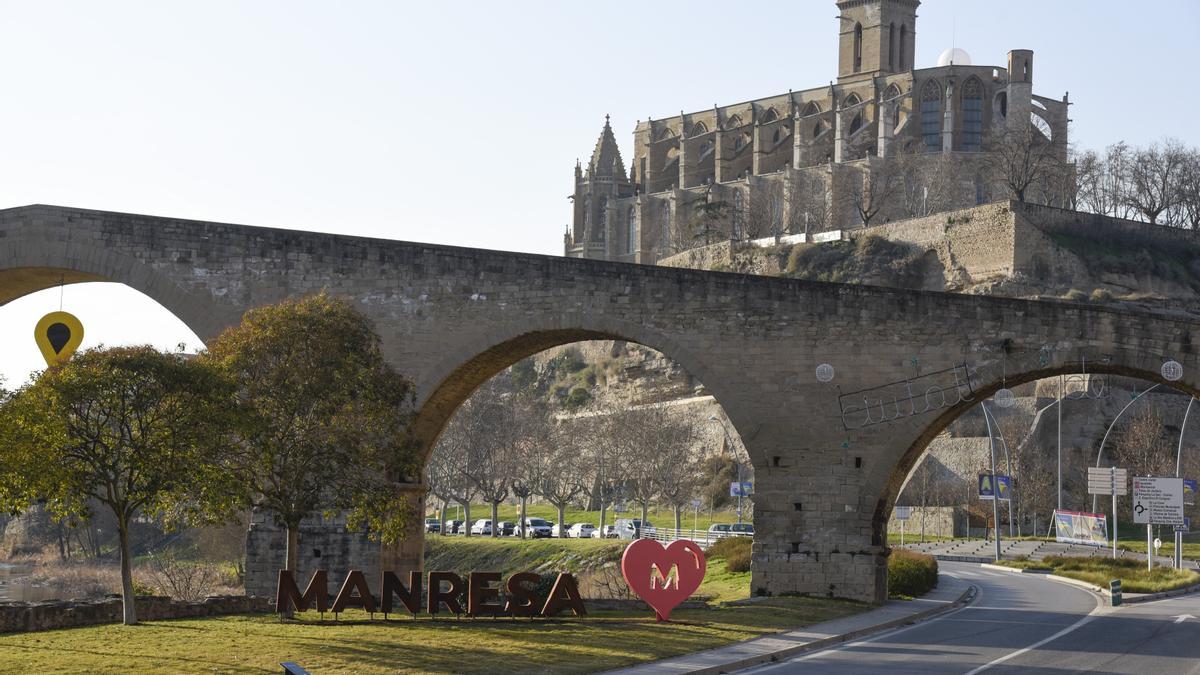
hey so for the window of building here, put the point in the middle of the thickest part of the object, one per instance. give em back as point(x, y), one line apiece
point(733, 122)
point(699, 129)
point(775, 138)
point(818, 128)
point(601, 219)
point(631, 236)
point(972, 107)
point(735, 218)
point(931, 117)
point(857, 47)
point(903, 39)
point(856, 124)
point(769, 116)
point(892, 46)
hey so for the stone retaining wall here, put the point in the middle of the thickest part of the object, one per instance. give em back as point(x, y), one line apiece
point(33, 616)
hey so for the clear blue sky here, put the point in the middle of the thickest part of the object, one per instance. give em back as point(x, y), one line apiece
point(459, 123)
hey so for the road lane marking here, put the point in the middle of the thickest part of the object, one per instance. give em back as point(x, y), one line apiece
point(1075, 626)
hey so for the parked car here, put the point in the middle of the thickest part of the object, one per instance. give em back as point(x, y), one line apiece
point(482, 527)
point(454, 527)
point(557, 533)
point(609, 532)
point(633, 528)
point(581, 530)
point(742, 529)
point(506, 528)
point(433, 525)
point(536, 528)
point(719, 530)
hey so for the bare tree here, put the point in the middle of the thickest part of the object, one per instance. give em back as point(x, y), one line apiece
point(678, 473)
point(867, 193)
point(447, 463)
point(1144, 447)
point(807, 203)
point(928, 182)
point(496, 434)
point(1022, 158)
point(1154, 178)
point(765, 211)
point(647, 434)
point(563, 474)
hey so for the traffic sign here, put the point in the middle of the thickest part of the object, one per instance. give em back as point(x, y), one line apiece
point(1103, 481)
point(902, 512)
point(1186, 526)
point(1157, 501)
point(58, 335)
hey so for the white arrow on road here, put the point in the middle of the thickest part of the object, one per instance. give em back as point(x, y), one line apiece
point(1180, 618)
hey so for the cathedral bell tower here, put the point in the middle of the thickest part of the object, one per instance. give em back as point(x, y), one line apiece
point(877, 37)
point(598, 186)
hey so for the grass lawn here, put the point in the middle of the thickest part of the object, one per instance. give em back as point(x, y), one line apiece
point(1134, 576)
point(258, 643)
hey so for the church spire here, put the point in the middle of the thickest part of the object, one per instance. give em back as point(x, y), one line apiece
point(606, 158)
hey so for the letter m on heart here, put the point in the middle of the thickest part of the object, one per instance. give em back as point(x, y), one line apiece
point(658, 581)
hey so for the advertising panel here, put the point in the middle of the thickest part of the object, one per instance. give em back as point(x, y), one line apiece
point(1075, 527)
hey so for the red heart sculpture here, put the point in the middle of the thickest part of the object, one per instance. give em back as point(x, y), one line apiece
point(647, 567)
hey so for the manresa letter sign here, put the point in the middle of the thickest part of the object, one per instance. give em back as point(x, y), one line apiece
point(1157, 501)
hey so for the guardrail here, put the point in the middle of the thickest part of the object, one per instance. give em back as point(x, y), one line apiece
point(702, 537)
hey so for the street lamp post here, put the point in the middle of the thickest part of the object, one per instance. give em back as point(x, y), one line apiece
point(1178, 460)
point(1100, 453)
point(1007, 463)
point(995, 506)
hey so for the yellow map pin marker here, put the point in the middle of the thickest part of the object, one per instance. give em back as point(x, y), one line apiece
point(58, 335)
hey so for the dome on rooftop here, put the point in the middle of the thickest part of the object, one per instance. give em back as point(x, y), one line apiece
point(954, 57)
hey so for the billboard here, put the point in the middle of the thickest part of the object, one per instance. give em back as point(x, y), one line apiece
point(989, 485)
point(737, 489)
point(1075, 527)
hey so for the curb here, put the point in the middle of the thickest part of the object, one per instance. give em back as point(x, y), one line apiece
point(967, 596)
point(1126, 598)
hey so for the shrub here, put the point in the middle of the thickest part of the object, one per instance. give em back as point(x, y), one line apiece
point(911, 574)
point(735, 551)
point(1075, 295)
point(1101, 295)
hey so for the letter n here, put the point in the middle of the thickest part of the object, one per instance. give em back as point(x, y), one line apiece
point(410, 597)
point(287, 595)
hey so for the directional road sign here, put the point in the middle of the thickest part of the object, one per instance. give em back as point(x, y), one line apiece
point(1102, 481)
point(1157, 501)
point(902, 512)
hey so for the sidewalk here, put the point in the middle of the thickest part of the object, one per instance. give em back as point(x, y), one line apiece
point(950, 593)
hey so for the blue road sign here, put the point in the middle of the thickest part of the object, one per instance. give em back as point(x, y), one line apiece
point(1189, 492)
point(1186, 526)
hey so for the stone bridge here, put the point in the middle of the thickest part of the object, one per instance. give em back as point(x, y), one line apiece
point(829, 457)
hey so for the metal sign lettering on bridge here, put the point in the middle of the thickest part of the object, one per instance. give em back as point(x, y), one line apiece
point(1157, 501)
point(906, 398)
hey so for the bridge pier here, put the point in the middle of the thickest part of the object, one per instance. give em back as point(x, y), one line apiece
point(812, 538)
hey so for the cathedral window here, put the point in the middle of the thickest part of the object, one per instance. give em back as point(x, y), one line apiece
point(892, 46)
point(903, 39)
point(857, 47)
point(818, 128)
point(601, 219)
point(631, 236)
point(856, 124)
point(769, 116)
point(972, 107)
point(699, 129)
point(931, 118)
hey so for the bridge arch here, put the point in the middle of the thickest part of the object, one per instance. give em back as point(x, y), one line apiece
point(473, 360)
point(1135, 365)
point(29, 265)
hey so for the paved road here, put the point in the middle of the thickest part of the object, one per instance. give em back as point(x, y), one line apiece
point(1023, 623)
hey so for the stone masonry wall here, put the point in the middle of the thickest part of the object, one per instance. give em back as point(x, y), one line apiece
point(24, 616)
point(973, 245)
